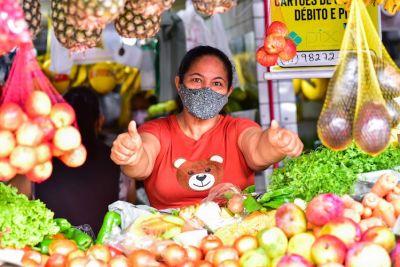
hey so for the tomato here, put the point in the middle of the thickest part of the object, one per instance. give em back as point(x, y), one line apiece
point(174, 255)
point(75, 254)
point(58, 236)
point(78, 262)
point(62, 246)
point(160, 246)
point(187, 263)
point(235, 203)
point(245, 243)
point(56, 260)
point(210, 242)
point(142, 257)
point(225, 253)
point(114, 251)
point(229, 263)
point(99, 252)
point(210, 255)
point(203, 263)
point(194, 253)
point(119, 261)
point(30, 257)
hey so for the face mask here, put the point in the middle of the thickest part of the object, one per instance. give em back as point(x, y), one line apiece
point(139, 116)
point(202, 103)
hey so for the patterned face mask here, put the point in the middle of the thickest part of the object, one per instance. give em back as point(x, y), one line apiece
point(202, 103)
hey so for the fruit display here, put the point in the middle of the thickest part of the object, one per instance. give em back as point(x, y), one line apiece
point(390, 6)
point(32, 15)
point(277, 45)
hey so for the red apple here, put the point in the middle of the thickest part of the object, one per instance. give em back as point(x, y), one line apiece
point(291, 219)
point(40, 172)
point(6, 170)
point(23, 158)
point(74, 158)
point(43, 152)
point(55, 151)
point(395, 255)
point(29, 134)
point(324, 208)
point(328, 249)
point(274, 43)
point(265, 59)
point(7, 143)
point(343, 228)
point(278, 27)
point(10, 116)
point(382, 236)
point(367, 254)
point(289, 51)
point(62, 115)
point(293, 260)
point(47, 127)
point(67, 138)
point(38, 104)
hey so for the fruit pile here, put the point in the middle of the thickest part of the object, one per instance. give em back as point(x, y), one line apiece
point(31, 135)
point(276, 45)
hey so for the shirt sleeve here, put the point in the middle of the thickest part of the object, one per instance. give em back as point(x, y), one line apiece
point(153, 127)
point(243, 124)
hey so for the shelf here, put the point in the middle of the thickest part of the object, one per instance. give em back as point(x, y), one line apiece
point(306, 74)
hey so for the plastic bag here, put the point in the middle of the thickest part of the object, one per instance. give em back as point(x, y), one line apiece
point(13, 28)
point(355, 107)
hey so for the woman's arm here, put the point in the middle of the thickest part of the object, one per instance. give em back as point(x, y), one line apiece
point(262, 148)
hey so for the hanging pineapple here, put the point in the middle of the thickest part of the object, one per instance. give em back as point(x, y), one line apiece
point(132, 25)
point(151, 7)
point(32, 15)
point(94, 14)
point(69, 36)
point(211, 7)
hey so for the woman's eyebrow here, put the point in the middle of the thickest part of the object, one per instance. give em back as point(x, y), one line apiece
point(218, 77)
point(196, 74)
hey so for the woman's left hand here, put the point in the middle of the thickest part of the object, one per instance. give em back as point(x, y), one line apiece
point(284, 141)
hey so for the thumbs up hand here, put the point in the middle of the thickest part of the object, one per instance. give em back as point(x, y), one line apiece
point(127, 147)
point(284, 141)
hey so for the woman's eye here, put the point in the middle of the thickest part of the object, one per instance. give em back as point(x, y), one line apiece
point(217, 83)
point(196, 80)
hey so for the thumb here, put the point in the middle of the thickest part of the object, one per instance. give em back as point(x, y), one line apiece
point(274, 125)
point(132, 130)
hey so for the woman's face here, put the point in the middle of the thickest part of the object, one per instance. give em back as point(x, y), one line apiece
point(207, 71)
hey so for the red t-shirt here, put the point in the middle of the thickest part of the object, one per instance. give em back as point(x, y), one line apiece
point(186, 169)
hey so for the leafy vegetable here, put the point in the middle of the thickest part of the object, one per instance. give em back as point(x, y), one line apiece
point(23, 222)
point(323, 170)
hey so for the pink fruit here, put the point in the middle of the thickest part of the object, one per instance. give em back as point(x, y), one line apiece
point(291, 219)
point(278, 27)
point(265, 59)
point(38, 104)
point(11, 116)
point(289, 50)
point(274, 43)
point(343, 228)
point(293, 260)
point(324, 208)
point(328, 249)
point(395, 255)
point(380, 235)
point(367, 254)
point(47, 127)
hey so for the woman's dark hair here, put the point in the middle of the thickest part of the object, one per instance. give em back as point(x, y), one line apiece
point(86, 104)
point(199, 51)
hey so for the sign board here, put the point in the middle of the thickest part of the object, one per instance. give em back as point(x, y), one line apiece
point(318, 26)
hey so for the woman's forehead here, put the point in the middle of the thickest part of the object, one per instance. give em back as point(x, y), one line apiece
point(208, 65)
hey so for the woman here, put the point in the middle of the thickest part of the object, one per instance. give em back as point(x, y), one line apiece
point(182, 156)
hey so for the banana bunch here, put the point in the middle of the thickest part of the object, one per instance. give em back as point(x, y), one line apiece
point(391, 6)
point(312, 89)
point(78, 75)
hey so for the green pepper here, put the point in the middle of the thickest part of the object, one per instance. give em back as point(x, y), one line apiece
point(250, 204)
point(44, 246)
point(69, 233)
point(83, 240)
point(62, 223)
point(111, 220)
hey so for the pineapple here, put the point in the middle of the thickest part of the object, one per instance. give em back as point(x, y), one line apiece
point(132, 25)
point(95, 14)
point(66, 33)
point(211, 7)
point(151, 7)
point(32, 15)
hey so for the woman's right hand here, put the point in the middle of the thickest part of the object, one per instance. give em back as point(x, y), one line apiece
point(127, 148)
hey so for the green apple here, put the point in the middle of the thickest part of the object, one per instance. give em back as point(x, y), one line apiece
point(274, 241)
point(255, 258)
point(301, 244)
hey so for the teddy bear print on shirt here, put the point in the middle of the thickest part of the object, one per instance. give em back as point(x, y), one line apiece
point(199, 175)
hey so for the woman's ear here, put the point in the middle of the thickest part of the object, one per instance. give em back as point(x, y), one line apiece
point(177, 82)
point(230, 90)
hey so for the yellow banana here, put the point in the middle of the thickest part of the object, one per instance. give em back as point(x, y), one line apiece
point(74, 72)
point(392, 6)
point(81, 77)
point(377, 2)
point(127, 84)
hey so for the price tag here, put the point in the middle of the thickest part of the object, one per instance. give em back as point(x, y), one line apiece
point(309, 59)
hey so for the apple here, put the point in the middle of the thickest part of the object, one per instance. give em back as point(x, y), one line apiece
point(62, 115)
point(55, 151)
point(265, 59)
point(328, 249)
point(119, 261)
point(277, 27)
point(343, 228)
point(67, 138)
point(324, 208)
point(23, 158)
point(291, 219)
point(254, 258)
point(38, 104)
point(395, 255)
point(367, 254)
point(289, 51)
point(74, 158)
point(29, 134)
point(331, 264)
point(40, 172)
point(11, 116)
point(301, 244)
point(7, 142)
point(6, 170)
point(274, 43)
point(46, 125)
point(273, 240)
point(382, 236)
point(43, 153)
point(293, 260)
